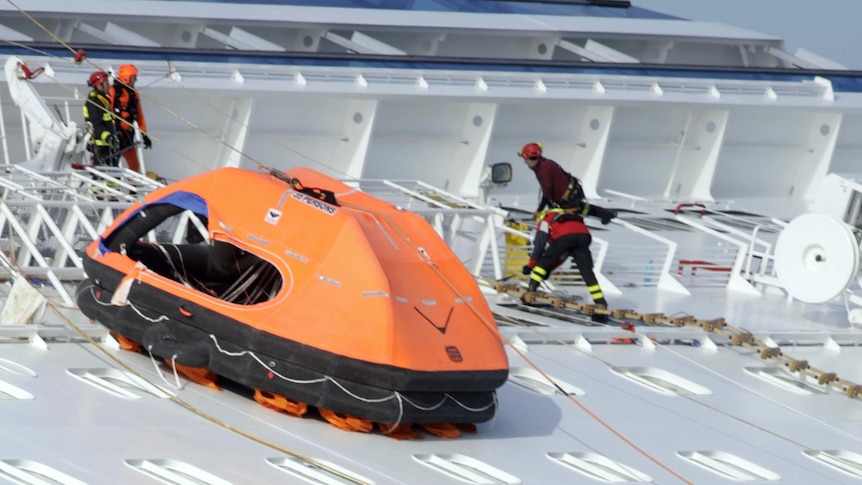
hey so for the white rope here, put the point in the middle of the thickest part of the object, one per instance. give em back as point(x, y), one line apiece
point(184, 276)
point(161, 318)
point(152, 320)
point(176, 374)
point(395, 394)
point(424, 408)
point(475, 410)
point(397, 421)
point(158, 369)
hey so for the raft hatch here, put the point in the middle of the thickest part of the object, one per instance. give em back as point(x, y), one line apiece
point(172, 242)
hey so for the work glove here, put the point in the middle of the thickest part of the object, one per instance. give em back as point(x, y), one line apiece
point(608, 215)
point(147, 142)
point(527, 269)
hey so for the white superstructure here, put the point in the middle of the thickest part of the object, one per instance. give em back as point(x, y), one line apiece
point(733, 163)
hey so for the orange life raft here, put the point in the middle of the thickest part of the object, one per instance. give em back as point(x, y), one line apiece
point(299, 285)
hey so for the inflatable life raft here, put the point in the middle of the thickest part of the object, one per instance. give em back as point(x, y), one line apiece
point(297, 285)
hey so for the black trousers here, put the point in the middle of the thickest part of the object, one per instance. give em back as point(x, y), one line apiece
point(104, 155)
point(578, 247)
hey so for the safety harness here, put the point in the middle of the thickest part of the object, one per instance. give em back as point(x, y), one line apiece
point(573, 197)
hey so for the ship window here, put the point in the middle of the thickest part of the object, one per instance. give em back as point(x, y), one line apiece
point(466, 469)
point(599, 467)
point(318, 471)
point(118, 383)
point(785, 380)
point(662, 381)
point(175, 472)
point(8, 391)
point(536, 382)
point(729, 466)
point(844, 461)
point(34, 473)
point(173, 243)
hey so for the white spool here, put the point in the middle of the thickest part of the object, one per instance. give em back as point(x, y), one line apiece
point(816, 257)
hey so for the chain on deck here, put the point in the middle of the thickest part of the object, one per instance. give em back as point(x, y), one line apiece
point(717, 326)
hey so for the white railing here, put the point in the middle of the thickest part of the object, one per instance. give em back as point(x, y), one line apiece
point(47, 219)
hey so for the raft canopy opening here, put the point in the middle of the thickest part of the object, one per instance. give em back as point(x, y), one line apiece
point(169, 237)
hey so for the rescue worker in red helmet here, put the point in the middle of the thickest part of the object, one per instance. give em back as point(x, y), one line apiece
point(560, 188)
point(100, 121)
point(126, 105)
point(559, 235)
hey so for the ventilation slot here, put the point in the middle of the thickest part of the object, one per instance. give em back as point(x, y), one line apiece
point(8, 391)
point(783, 379)
point(118, 383)
point(466, 469)
point(15, 368)
point(313, 472)
point(536, 382)
point(175, 472)
point(33, 473)
point(662, 381)
point(843, 461)
point(729, 466)
point(599, 467)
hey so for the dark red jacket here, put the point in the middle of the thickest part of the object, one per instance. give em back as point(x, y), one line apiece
point(553, 180)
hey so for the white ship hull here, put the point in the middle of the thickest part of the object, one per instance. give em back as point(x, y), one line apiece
point(709, 140)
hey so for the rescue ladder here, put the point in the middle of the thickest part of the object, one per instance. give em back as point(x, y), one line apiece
point(717, 326)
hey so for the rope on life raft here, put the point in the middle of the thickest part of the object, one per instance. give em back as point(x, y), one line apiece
point(327, 196)
point(717, 326)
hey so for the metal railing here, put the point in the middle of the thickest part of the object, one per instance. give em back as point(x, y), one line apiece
point(47, 219)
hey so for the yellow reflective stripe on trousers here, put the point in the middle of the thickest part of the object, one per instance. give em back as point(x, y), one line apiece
point(595, 291)
point(539, 274)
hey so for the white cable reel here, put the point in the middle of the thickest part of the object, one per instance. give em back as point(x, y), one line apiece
point(816, 258)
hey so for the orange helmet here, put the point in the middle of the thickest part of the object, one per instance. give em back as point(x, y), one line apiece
point(531, 150)
point(97, 78)
point(125, 73)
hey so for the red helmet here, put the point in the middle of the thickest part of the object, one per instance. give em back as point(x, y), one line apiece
point(531, 150)
point(97, 78)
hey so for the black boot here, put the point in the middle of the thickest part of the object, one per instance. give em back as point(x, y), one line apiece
point(606, 215)
point(533, 285)
point(600, 318)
